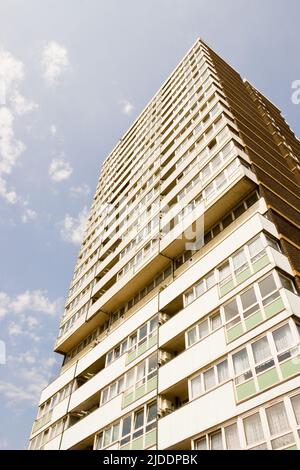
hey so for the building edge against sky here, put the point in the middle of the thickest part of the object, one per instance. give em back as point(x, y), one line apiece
point(182, 325)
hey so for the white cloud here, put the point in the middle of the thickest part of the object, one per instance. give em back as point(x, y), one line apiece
point(34, 301)
point(22, 105)
point(59, 170)
point(10, 196)
point(4, 303)
point(11, 71)
point(14, 329)
point(80, 191)
point(28, 214)
point(10, 148)
point(126, 106)
point(53, 129)
point(73, 228)
point(12, 74)
point(54, 62)
point(29, 301)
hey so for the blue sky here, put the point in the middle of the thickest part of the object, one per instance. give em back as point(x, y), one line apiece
point(75, 75)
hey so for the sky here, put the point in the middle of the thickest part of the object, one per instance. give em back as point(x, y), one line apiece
point(74, 75)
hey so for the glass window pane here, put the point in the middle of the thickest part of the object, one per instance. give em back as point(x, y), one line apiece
point(239, 259)
point(203, 329)
point(261, 350)
point(283, 338)
point(248, 298)
point(255, 247)
point(222, 370)
point(210, 280)
point(296, 407)
point(107, 437)
point(143, 332)
point(286, 283)
point(209, 379)
point(152, 412)
point(201, 444)
point(216, 441)
point(232, 437)
point(141, 371)
point(192, 336)
point(126, 428)
point(139, 419)
point(200, 288)
point(267, 286)
point(216, 321)
point(277, 419)
point(196, 387)
point(224, 271)
point(152, 363)
point(240, 361)
point(116, 428)
point(231, 310)
point(253, 429)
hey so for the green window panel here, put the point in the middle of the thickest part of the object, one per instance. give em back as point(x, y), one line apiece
point(245, 390)
point(139, 392)
point(254, 320)
point(290, 367)
point(267, 379)
point(275, 307)
point(292, 448)
point(235, 332)
point(150, 439)
point(151, 384)
point(42, 422)
point(130, 357)
point(137, 444)
point(141, 349)
point(127, 399)
point(241, 277)
point(226, 288)
point(261, 263)
point(125, 447)
point(152, 341)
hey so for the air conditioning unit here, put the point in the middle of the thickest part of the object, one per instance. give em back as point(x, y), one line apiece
point(164, 357)
point(163, 317)
point(164, 407)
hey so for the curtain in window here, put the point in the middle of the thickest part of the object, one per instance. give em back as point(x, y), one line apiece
point(216, 441)
point(232, 437)
point(201, 444)
point(261, 350)
point(196, 387)
point(283, 338)
point(241, 362)
point(222, 369)
point(296, 406)
point(277, 419)
point(253, 429)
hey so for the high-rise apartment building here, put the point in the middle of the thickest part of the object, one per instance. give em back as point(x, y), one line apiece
point(182, 325)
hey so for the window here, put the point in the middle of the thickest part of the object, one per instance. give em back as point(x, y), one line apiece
point(196, 386)
point(192, 336)
point(209, 379)
point(216, 441)
point(203, 329)
point(200, 444)
point(253, 429)
point(255, 247)
point(232, 437)
point(240, 361)
point(286, 283)
point(222, 370)
point(296, 407)
point(231, 311)
point(266, 287)
point(262, 355)
point(283, 338)
point(216, 321)
point(277, 419)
